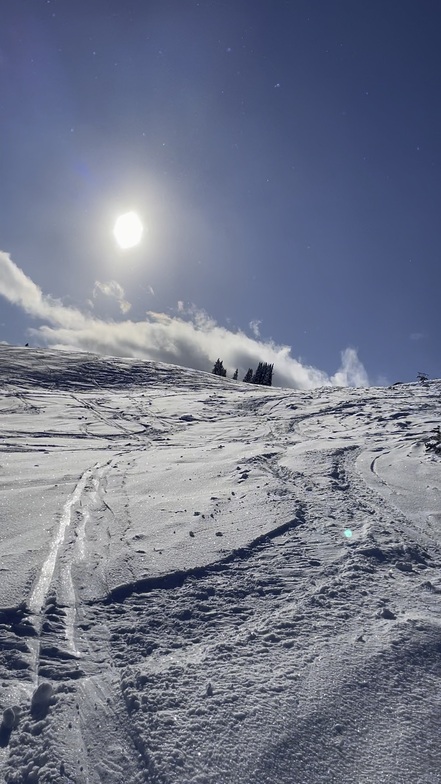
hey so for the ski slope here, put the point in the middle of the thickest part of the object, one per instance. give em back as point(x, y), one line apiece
point(211, 582)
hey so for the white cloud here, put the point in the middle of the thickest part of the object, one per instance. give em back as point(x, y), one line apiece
point(352, 372)
point(192, 339)
point(254, 326)
point(16, 287)
point(417, 336)
point(113, 289)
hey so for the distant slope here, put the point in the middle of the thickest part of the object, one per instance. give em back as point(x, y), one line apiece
point(50, 369)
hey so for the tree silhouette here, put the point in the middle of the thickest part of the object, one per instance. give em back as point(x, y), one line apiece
point(219, 369)
point(263, 374)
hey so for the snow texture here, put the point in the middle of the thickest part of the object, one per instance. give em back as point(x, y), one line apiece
point(210, 582)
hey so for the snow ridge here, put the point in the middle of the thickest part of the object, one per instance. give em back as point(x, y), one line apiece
point(176, 579)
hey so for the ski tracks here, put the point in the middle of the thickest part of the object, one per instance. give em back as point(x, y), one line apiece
point(83, 692)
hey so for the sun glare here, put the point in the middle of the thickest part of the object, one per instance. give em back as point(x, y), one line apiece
point(128, 230)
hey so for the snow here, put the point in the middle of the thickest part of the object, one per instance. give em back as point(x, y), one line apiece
point(208, 582)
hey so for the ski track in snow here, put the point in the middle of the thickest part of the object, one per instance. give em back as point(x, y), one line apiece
point(239, 584)
point(40, 591)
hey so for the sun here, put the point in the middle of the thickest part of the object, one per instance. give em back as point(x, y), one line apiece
point(128, 230)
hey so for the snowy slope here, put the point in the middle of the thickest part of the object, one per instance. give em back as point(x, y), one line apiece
point(211, 582)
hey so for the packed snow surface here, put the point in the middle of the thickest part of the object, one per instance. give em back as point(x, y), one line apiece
point(210, 582)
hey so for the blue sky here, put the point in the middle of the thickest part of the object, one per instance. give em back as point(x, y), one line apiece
point(284, 158)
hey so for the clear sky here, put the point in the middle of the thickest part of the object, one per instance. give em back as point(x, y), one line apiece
point(284, 158)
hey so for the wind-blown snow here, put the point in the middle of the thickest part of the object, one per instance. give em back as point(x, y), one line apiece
point(208, 582)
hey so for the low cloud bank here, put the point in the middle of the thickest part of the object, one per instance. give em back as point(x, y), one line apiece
point(191, 339)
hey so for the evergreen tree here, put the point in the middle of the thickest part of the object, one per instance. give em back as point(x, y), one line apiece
point(258, 375)
point(263, 374)
point(235, 375)
point(248, 375)
point(219, 369)
point(268, 374)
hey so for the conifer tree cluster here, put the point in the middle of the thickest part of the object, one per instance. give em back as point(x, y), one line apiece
point(263, 374)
